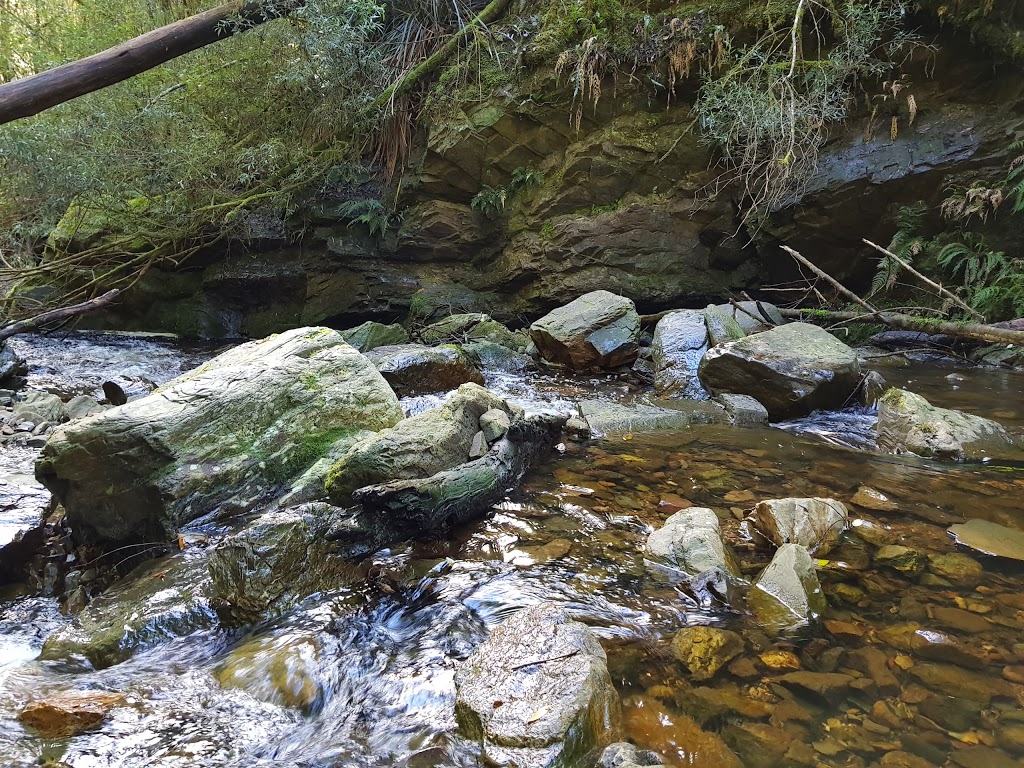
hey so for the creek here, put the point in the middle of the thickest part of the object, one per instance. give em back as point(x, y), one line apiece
point(363, 676)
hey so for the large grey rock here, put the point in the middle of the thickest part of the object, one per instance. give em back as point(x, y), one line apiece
point(680, 341)
point(791, 370)
point(814, 524)
point(722, 327)
point(414, 369)
point(598, 330)
point(608, 418)
point(38, 407)
point(907, 423)
point(371, 335)
point(10, 363)
point(417, 447)
point(160, 600)
point(280, 558)
point(691, 540)
point(537, 715)
point(488, 356)
point(224, 434)
point(752, 316)
point(744, 410)
point(81, 406)
point(787, 594)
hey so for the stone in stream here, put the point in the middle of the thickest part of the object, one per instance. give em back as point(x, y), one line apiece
point(959, 570)
point(752, 316)
point(38, 407)
point(158, 601)
point(276, 561)
point(68, 714)
point(705, 650)
point(414, 369)
point(470, 327)
point(791, 370)
point(722, 327)
point(282, 669)
point(907, 423)
point(606, 418)
point(309, 486)
point(744, 410)
point(488, 356)
point(680, 341)
point(812, 523)
point(871, 389)
point(371, 335)
point(417, 447)
point(224, 435)
point(81, 406)
point(597, 330)
point(691, 540)
point(537, 692)
point(787, 594)
point(10, 364)
point(494, 424)
point(623, 755)
point(989, 538)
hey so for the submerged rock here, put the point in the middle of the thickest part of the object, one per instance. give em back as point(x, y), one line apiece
point(598, 330)
point(371, 335)
point(909, 423)
point(155, 603)
point(989, 538)
point(623, 755)
point(691, 540)
point(680, 341)
point(417, 447)
point(705, 650)
point(814, 524)
point(280, 669)
point(787, 594)
point(791, 370)
point(68, 714)
point(413, 369)
point(537, 692)
point(606, 418)
point(225, 433)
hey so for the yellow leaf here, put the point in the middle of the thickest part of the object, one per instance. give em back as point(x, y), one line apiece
point(629, 457)
point(537, 715)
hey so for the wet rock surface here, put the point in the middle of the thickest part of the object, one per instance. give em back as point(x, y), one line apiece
point(537, 691)
point(680, 341)
point(415, 369)
point(691, 540)
point(990, 538)
point(787, 594)
point(598, 330)
point(814, 524)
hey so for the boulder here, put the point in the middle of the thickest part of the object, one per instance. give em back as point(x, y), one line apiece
point(744, 410)
point(791, 370)
point(371, 335)
point(11, 364)
point(280, 558)
point(752, 316)
point(417, 447)
point(691, 540)
point(787, 594)
point(414, 369)
point(469, 327)
point(537, 692)
point(722, 327)
point(81, 406)
point(705, 650)
point(624, 755)
point(871, 389)
point(597, 330)
point(160, 600)
point(680, 341)
point(814, 524)
point(38, 407)
point(225, 434)
point(608, 418)
point(310, 484)
point(488, 356)
point(907, 423)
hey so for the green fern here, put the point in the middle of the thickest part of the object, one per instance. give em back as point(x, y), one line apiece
point(993, 283)
point(907, 243)
point(368, 211)
point(1015, 178)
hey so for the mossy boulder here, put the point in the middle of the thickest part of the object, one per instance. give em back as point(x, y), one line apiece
point(224, 435)
point(469, 327)
point(415, 369)
point(907, 423)
point(371, 335)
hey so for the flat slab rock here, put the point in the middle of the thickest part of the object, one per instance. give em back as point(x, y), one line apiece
point(537, 692)
point(990, 538)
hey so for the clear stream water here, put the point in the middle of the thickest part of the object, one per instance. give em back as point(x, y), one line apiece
point(364, 676)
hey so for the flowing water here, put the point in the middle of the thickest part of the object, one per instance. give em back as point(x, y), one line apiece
point(364, 676)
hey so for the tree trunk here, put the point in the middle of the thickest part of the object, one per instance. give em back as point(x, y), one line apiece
point(31, 95)
point(58, 315)
point(973, 331)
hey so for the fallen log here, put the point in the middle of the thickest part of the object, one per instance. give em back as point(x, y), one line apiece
point(972, 331)
point(58, 315)
point(459, 494)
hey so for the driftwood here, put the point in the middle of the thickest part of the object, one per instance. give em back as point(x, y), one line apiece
point(459, 494)
point(33, 94)
point(971, 331)
point(58, 315)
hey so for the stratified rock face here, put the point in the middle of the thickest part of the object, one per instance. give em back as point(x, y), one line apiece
point(812, 523)
point(414, 369)
point(680, 341)
point(909, 423)
point(597, 330)
point(791, 370)
point(417, 447)
point(536, 715)
point(787, 594)
point(227, 432)
point(371, 335)
point(691, 540)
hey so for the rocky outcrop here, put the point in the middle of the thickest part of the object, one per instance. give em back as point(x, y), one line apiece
point(907, 423)
point(814, 524)
point(691, 540)
point(417, 447)
point(787, 594)
point(414, 369)
point(597, 330)
point(224, 434)
point(791, 370)
point(537, 693)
